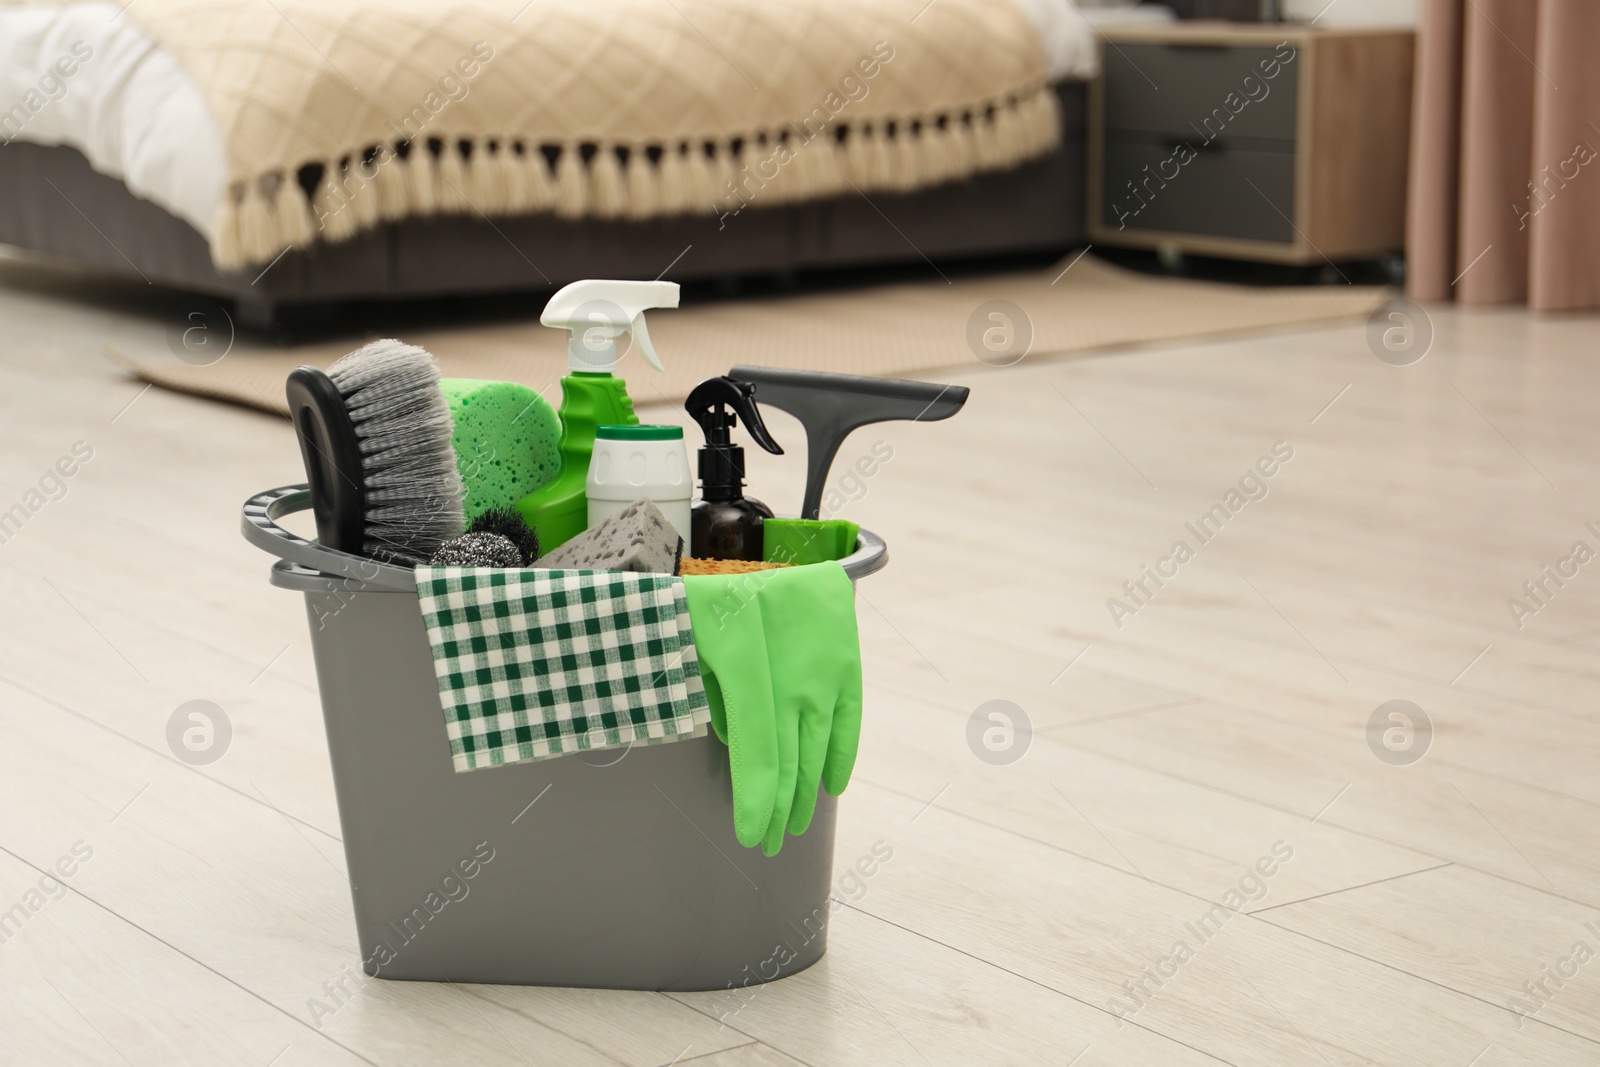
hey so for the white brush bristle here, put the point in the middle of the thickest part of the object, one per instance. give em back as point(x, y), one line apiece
point(414, 491)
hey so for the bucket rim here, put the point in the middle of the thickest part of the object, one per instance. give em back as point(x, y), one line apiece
point(310, 567)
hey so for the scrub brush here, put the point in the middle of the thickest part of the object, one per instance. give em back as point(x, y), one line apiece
point(375, 436)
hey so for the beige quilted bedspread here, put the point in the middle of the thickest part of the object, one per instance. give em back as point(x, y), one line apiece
point(340, 114)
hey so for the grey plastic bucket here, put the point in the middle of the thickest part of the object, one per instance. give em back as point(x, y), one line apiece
point(611, 869)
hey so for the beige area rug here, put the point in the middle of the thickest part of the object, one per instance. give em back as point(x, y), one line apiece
point(893, 330)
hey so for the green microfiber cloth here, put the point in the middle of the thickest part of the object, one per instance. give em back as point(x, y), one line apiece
point(507, 441)
point(800, 541)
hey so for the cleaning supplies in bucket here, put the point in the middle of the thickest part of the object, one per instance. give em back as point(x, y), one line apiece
point(599, 643)
point(374, 433)
point(597, 313)
point(725, 523)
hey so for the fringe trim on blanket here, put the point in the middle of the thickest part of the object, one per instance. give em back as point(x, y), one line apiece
point(335, 200)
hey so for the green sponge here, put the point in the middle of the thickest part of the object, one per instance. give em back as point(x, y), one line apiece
point(507, 441)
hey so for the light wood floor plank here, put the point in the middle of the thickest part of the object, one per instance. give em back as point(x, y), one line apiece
point(1279, 674)
point(1535, 958)
point(754, 1054)
point(81, 985)
point(1500, 827)
point(1176, 834)
point(1247, 992)
point(896, 997)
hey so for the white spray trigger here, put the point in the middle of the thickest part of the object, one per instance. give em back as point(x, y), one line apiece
point(641, 337)
point(597, 311)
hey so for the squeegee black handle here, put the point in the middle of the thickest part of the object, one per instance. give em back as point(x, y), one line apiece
point(831, 406)
point(332, 456)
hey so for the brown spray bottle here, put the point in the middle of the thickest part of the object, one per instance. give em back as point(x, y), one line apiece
point(724, 523)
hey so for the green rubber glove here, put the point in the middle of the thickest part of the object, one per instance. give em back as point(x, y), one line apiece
point(814, 658)
point(781, 658)
point(743, 717)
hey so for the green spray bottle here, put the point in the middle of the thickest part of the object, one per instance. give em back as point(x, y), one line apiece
point(597, 312)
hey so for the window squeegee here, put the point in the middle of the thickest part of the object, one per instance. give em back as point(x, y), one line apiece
point(831, 406)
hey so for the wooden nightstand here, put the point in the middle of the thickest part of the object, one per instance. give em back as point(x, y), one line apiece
point(1266, 141)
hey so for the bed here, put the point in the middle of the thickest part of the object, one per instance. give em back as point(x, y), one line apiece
point(113, 159)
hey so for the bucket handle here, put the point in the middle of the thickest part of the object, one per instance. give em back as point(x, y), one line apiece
point(259, 523)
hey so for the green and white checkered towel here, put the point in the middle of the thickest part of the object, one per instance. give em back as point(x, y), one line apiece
point(539, 663)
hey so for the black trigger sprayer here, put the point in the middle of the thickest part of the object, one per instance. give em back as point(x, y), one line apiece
point(724, 523)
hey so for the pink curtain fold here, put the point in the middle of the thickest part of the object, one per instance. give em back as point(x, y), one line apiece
point(1504, 202)
point(1435, 151)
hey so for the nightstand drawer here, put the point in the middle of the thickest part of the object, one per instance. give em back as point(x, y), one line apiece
point(1220, 192)
point(1202, 91)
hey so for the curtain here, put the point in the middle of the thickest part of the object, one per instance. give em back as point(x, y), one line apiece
point(1504, 198)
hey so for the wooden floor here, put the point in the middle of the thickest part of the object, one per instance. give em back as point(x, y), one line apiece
point(1212, 749)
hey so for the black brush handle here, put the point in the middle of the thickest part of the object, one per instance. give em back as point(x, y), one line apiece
point(332, 456)
point(831, 406)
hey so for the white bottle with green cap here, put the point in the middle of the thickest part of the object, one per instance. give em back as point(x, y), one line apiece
point(640, 463)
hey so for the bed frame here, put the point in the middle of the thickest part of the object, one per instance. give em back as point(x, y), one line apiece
point(52, 201)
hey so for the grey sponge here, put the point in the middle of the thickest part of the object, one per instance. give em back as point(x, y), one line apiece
point(637, 538)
